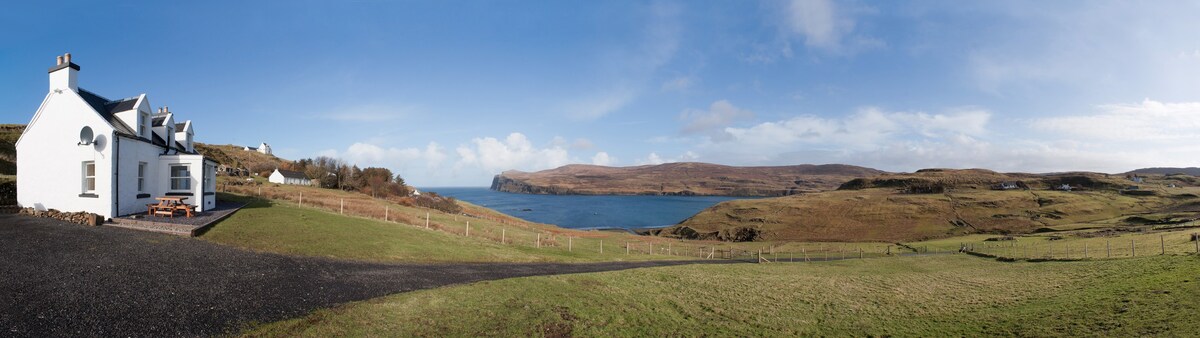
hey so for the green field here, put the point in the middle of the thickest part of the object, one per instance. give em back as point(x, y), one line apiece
point(285, 228)
point(942, 295)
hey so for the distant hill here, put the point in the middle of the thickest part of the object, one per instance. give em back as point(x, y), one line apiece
point(939, 203)
point(1193, 171)
point(687, 178)
point(235, 156)
point(9, 133)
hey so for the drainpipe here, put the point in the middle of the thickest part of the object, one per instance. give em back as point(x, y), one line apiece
point(116, 181)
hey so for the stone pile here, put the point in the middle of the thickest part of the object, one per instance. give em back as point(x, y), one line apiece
point(84, 218)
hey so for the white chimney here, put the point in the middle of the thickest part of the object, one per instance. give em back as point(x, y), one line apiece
point(64, 75)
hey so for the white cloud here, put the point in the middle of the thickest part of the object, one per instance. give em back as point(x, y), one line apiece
point(654, 159)
point(824, 25)
point(1115, 138)
point(1146, 122)
point(719, 115)
point(514, 152)
point(817, 20)
point(602, 158)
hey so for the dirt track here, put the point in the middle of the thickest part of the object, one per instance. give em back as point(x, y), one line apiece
point(60, 279)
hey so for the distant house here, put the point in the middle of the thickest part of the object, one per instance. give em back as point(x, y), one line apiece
point(262, 148)
point(289, 177)
point(1137, 179)
point(1006, 186)
point(1064, 187)
point(84, 152)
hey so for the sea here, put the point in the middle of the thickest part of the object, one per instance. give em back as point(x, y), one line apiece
point(588, 211)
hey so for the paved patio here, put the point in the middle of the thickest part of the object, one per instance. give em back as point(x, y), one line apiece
point(178, 225)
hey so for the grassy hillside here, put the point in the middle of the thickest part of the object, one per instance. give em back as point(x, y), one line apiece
point(885, 208)
point(276, 222)
point(9, 133)
point(290, 229)
point(930, 296)
point(234, 156)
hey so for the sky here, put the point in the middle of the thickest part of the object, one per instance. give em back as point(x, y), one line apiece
point(450, 93)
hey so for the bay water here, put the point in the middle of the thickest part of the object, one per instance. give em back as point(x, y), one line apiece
point(588, 211)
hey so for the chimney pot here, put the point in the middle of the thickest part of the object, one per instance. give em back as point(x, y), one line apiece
point(60, 58)
point(67, 58)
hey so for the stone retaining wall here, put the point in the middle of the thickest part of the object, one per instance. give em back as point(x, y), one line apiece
point(84, 218)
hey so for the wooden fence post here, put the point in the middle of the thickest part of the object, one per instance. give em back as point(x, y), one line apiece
point(502, 235)
point(1085, 255)
point(626, 247)
point(427, 220)
point(602, 246)
point(1196, 238)
point(1108, 248)
point(1133, 248)
point(301, 198)
point(539, 240)
point(860, 254)
point(649, 248)
point(1163, 242)
point(569, 243)
point(468, 229)
point(385, 213)
point(342, 207)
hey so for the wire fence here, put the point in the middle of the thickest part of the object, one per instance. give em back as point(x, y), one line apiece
point(1057, 248)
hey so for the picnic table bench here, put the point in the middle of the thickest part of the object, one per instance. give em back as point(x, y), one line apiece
point(168, 206)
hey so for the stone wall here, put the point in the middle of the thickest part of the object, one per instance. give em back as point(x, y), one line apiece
point(84, 218)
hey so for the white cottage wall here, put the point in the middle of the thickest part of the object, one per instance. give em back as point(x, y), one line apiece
point(50, 161)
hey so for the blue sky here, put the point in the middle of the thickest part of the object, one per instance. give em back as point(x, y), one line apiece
point(449, 93)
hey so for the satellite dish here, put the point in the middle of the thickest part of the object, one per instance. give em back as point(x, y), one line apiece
point(85, 136)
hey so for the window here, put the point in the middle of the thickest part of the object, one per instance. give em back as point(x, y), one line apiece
point(142, 117)
point(89, 176)
point(141, 176)
point(181, 179)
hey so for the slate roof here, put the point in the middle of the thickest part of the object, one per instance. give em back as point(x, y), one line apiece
point(292, 174)
point(179, 126)
point(107, 109)
point(159, 120)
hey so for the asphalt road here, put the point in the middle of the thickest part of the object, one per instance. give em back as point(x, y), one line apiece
point(60, 279)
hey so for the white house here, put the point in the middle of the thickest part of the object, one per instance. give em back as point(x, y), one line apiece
point(84, 152)
point(289, 177)
point(262, 148)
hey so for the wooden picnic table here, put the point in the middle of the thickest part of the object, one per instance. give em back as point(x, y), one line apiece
point(169, 205)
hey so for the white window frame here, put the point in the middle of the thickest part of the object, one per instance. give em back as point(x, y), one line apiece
point(173, 178)
point(142, 121)
point(141, 178)
point(89, 182)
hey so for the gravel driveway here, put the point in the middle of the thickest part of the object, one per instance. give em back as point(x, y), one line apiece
point(60, 279)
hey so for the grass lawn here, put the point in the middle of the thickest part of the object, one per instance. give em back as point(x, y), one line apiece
point(289, 229)
point(945, 295)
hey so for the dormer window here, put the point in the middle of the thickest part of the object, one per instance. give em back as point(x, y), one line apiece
point(143, 120)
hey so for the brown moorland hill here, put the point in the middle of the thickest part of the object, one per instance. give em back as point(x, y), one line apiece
point(685, 178)
point(934, 204)
point(235, 156)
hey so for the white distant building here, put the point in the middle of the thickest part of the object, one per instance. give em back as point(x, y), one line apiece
point(289, 177)
point(262, 148)
point(84, 152)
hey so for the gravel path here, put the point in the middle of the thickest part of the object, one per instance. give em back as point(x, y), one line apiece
point(60, 279)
